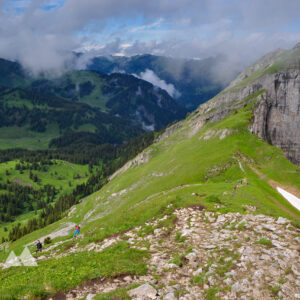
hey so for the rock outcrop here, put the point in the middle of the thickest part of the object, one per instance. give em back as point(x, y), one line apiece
point(277, 116)
point(232, 255)
point(276, 78)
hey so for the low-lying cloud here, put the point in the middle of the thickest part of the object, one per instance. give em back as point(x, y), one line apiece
point(43, 38)
point(151, 77)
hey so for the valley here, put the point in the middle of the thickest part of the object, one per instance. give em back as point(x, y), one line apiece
point(190, 212)
point(190, 81)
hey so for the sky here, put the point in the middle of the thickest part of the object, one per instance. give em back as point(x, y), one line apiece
point(42, 34)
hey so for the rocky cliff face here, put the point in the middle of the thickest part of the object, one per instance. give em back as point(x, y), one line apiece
point(277, 111)
point(277, 115)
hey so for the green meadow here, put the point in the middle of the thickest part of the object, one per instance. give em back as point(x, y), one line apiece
point(61, 174)
point(188, 167)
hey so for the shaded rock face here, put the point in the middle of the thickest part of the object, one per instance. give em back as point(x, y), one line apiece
point(277, 115)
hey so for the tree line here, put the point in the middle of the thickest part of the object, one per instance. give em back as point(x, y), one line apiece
point(53, 211)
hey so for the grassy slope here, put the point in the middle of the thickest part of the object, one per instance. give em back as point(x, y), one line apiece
point(65, 172)
point(70, 271)
point(21, 137)
point(178, 167)
point(95, 99)
point(24, 137)
point(289, 59)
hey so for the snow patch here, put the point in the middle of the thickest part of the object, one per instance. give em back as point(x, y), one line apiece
point(295, 201)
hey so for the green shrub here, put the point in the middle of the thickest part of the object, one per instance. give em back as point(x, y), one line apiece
point(214, 199)
point(47, 240)
point(264, 241)
point(179, 238)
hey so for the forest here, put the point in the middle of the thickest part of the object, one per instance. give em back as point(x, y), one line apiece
point(16, 199)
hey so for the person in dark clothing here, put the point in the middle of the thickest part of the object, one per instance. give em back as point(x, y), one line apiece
point(39, 246)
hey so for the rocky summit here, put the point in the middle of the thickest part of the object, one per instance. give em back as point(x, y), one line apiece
point(195, 253)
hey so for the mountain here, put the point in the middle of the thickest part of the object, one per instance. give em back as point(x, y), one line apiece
point(194, 81)
point(32, 120)
point(120, 95)
point(12, 74)
point(276, 116)
point(78, 106)
point(198, 214)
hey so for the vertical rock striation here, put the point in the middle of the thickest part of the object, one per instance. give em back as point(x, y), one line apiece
point(277, 114)
point(274, 82)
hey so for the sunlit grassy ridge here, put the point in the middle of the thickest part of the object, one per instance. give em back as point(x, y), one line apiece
point(288, 59)
point(208, 162)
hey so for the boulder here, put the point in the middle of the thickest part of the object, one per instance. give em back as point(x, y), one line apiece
point(211, 281)
point(220, 219)
point(170, 296)
point(145, 292)
point(171, 266)
point(270, 227)
point(296, 269)
point(228, 281)
point(198, 272)
point(209, 246)
point(127, 278)
point(191, 257)
point(282, 221)
point(236, 287)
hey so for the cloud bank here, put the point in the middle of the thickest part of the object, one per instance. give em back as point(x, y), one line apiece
point(42, 34)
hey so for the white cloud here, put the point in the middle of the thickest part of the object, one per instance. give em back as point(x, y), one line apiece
point(151, 77)
point(148, 26)
point(243, 30)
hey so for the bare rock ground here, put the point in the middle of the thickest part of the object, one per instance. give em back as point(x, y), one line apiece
point(196, 252)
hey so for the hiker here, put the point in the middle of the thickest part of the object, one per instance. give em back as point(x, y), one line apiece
point(39, 247)
point(77, 230)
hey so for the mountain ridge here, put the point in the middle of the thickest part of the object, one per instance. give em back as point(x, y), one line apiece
point(195, 213)
point(119, 97)
point(195, 80)
point(276, 116)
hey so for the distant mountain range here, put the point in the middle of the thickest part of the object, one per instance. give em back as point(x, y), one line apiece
point(190, 81)
point(85, 106)
point(112, 100)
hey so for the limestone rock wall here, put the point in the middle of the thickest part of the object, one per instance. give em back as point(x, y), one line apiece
point(277, 116)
